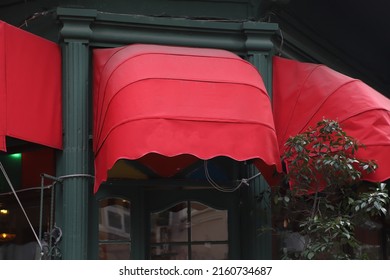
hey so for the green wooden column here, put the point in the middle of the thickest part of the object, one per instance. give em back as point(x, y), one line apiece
point(73, 197)
point(257, 224)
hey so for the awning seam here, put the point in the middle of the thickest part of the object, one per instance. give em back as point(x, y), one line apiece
point(178, 119)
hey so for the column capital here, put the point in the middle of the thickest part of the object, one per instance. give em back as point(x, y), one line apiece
point(258, 36)
point(76, 24)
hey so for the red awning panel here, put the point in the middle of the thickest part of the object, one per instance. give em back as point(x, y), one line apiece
point(30, 88)
point(304, 94)
point(173, 101)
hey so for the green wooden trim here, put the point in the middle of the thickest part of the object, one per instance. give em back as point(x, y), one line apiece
point(257, 198)
point(138, 228)
point(75, 202)
point(75, 192)
point(256, 236)
point(172, 184)
point(159, 200)
point(162, 199)
point(144, 201)
point(109, 30)
point(138, 216)
point(93, 226)
point(84, 28)
point(76, 24)
point(75, 157)
point(263, 62)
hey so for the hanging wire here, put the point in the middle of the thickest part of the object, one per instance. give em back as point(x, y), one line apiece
point(24, 190)
point(61, 178)
point(281, 42)
point(51, 228)
point(54, 233)
point(244, 181)
point(41, 209)
point(268, 18)
point(20, 204)
point(34, 16)
point(47, 238)
point(51, 221)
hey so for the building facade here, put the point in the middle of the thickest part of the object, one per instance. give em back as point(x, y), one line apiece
point(153, 205)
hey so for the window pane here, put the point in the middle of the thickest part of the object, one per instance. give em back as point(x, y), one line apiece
point(169, 252)
point(178, 229)
point(114, 251)
point(170, 225)
point(114, 219)
point(210, 251)
point(208, 224)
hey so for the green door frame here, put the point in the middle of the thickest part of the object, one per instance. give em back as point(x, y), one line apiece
point(144, 200)
point(135, 195)
point(83, 29)
point(162, 199)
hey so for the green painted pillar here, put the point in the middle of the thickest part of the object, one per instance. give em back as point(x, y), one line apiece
point(257, 196)
point(73, 196)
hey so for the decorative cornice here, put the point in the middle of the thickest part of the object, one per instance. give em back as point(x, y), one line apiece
point(108, 30)
point(258, 36)
point(76, 24)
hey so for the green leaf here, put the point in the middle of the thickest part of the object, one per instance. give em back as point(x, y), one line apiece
point(329, 206)
point(377, 205)
point(346, 234)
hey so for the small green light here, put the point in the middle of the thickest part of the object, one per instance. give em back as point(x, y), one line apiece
point(16, 156)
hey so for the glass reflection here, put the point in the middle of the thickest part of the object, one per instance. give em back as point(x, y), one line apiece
point(169, 252)
point(114, 251)
point(209, 251)
point(189, 230)
point(114, 229)
point(208, 223)
point(114, 219)
point(170, 225)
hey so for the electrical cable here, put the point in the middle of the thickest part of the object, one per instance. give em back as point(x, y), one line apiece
point(20, 204)
point(244, 181)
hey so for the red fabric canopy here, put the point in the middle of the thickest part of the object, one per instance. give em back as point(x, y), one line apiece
point(174, 101)
point(30, 88)
point(304, 94)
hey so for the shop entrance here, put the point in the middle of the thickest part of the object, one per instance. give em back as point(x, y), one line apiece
point(168, 222)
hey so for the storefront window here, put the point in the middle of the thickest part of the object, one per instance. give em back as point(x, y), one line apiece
point(17, 238)
point(114, 229)
point(189, 230)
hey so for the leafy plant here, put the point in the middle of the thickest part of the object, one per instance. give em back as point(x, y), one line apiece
point(320, 200)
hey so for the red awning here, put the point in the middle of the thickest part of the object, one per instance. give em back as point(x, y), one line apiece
point(30, 88)
point(174, 101)
point(304, 94)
